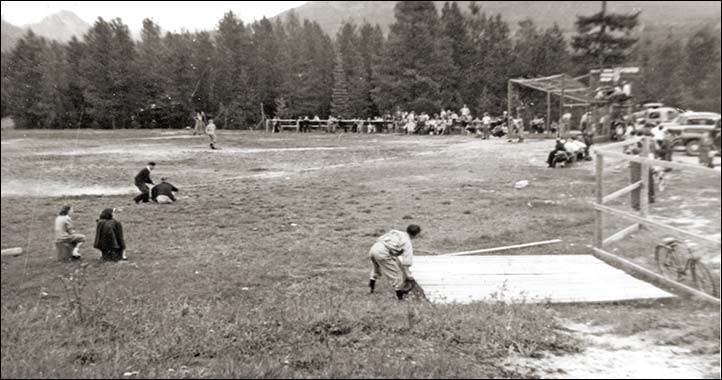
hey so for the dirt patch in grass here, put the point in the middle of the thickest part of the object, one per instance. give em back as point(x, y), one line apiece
point(21, 189)
point(620, 357)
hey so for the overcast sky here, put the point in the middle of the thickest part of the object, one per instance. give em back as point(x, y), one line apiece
point(171, 16)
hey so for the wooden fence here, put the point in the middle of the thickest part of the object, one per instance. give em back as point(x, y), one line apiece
point(640, 219)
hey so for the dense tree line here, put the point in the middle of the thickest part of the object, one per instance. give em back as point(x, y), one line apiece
point(429, 60)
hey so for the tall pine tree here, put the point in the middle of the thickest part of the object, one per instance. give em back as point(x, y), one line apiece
point(25, 79)
point(413, 66)
point(603, 39)
point(456, 43)
point(371, 45)
point(152, 60)
point(111, 75)
point(231, 73)
point(340, 97)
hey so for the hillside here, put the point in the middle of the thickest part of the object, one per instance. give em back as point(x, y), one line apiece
point(10, 34)
point(61, 26)
point(331, 14)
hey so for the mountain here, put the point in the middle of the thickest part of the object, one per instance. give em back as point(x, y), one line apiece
point(61, 26)
point(331, 14)
point(10, 34)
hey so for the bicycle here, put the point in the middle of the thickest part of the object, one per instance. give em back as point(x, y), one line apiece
point(677, 262)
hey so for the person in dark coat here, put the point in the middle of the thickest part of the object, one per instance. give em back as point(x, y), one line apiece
point(558, 147)
point(142, 179)
point(109, 237)
point(163, 192)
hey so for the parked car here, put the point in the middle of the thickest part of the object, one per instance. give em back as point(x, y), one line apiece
point(689, 127)
point(660, 115)
point(653, 114)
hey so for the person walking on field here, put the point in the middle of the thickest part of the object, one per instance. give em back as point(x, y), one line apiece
point(392, 256)
point(64, 232)
point(211, 132)
point(142, 179)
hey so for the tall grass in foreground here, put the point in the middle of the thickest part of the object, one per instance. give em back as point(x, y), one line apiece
point(84, 332)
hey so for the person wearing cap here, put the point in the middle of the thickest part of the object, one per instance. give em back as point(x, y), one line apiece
point(109, 237)
point(164, 192)
point(392, 256)
point(211, 132)
point(142, 179)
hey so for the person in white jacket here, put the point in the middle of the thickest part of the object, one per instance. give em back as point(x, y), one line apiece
point(392, 256)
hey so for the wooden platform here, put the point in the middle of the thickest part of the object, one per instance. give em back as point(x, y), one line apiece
point(551, 278)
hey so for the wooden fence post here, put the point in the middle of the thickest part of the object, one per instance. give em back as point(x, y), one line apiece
point(644, 189)
point(598, 214)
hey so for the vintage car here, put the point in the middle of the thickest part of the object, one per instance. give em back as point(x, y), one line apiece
point(689, 127)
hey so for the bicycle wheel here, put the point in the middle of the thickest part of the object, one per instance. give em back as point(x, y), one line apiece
point(669, 263)
point(703, 279)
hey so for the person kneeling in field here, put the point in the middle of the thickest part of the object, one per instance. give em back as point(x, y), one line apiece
point(64, 232)
point(109, 237)
point(392, 256)
point(163, 192)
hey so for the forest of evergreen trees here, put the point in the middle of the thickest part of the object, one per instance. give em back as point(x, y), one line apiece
point(429, 60)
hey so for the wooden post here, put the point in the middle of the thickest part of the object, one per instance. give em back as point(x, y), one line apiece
point(644, 189)
point(598, 214)
point(549, 112)
point(562, 126)
point(508, 107)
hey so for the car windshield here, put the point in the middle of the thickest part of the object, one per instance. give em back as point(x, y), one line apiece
point(701, 122)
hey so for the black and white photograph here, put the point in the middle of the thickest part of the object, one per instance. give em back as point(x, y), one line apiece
point(361, 189)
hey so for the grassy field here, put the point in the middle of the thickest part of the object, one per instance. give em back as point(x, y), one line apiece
point(261, 269)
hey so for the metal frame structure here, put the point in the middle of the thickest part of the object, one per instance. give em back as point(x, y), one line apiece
point(562, 85)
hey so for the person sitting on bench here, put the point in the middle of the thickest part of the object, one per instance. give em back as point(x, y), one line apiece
point(574, 149)
point(558, 147)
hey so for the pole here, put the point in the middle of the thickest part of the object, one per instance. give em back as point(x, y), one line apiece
point(549, 112)
point(645, 188)
point(508, 107)
point(562, 126)
point(598, 215)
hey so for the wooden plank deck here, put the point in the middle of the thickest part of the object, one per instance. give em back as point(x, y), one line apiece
point(527, 278)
